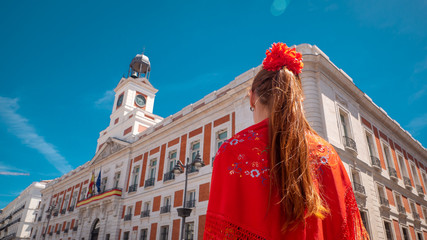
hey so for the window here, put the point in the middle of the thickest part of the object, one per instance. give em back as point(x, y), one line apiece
point(415, 174)
point(419, 236)
point(116, 180)
point(73, 202)
point(164, 231)
point(405, 233)
point(388, 231)
point(364, 216)
point(146, 211)
point(195, 150)
point(345, 130)
point(371, 146)
point(221, 136)
point(172, 160)
point(65, 205)
point(191, 196)
point(399, 203)
point(425, 214)
point(104, 184)
point(83, 194)
point(387, 157)
point(424, 178)
point(143, 234)
point(151, 173)
point(107, 237)
point(126, 236)
point(189, 231)
point(382, 195)
point(135, 175)
point(402, 166)
point(166, 205)
point(357, 184)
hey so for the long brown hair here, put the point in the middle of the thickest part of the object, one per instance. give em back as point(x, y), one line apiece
point(281, 92)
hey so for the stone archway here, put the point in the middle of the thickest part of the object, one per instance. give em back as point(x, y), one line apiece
point(94, 231)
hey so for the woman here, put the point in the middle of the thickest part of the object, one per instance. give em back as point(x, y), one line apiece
point(278, 179)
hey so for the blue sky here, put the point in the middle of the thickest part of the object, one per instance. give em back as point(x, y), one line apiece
point(60, 61)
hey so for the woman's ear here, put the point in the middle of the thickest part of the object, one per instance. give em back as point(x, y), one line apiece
point(251, 98)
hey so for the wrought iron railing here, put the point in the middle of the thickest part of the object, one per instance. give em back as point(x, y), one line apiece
point(359, 188)
point(407, 182)
point(39, 219)
point(165, 209)
point(416, 216)
point(71, 208)
point(190, 203)
point(420, 189)
point(55, 213)
point(133, 187)
point(150, 182)
point(375, 162)
point(128, 217)
point(192, 169)
point(168, 176)
point(350, 143)
point(66, 230)
point(384, 202)
point(58, 232)
point(75, 228)
point(145, 213)
point(63, 211)
point(393, 173)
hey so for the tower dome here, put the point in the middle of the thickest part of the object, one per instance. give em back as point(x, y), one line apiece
point(139, 67)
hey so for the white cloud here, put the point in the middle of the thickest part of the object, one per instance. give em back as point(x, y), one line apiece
point(20, 127)
point(11, 171)
point(14, 174)
point(106, 101)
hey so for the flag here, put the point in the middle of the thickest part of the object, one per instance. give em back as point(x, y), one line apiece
point(98, 182)
point(91, 185)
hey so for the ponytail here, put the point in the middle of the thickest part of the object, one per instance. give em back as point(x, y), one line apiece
point(281, 92)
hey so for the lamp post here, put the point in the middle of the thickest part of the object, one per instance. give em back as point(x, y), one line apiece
point(50, 210)
point(178, 169)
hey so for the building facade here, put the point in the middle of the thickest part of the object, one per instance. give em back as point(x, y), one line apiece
point(139, 194)
point(18, 217)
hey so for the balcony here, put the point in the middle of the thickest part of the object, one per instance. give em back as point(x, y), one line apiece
point(190, 203)
point(75, 229)
point(51, 233)
point(192, 169)
point(393, 174)
point(63, 211)
point(133, 187)
point(350, 145)
point(145, 213)
point(71, 208)
point(384, 203)
point(165, 209)
point(150, 182)
point(376, 163)
point(168, 176)
point(39, 219)
point(401, 209)
point(57, 232)
point(55, 214)
point(407, 182)
point(359, 189)
point(66, 230)
point(128, 217)
point(416, 217)
point(420, 190)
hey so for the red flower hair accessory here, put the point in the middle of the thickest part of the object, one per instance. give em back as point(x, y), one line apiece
point(280, 55)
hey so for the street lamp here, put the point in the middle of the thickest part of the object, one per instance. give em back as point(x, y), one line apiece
point(178, 169)
point(50, 210)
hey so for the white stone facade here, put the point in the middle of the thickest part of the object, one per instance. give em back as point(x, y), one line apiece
point(139, 146)
point(18, 217)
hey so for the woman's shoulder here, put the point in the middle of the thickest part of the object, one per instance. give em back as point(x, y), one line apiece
point(321, 152)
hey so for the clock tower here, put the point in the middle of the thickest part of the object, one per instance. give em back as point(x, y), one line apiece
point(133, 104)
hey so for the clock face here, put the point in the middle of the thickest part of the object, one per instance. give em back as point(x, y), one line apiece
point(119, 100)
point(140, 100)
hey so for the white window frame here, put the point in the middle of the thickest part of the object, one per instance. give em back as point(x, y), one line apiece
point(369, 134)
point(152, 158)
point(116, 182)
point(169, 159)
point(193, 142)
point(391, 229)
point(346, 115)
point(403, 169)
point(383, 190)
point(414, 175)
point(401, 232)
point(136, 174)
point(389, 161)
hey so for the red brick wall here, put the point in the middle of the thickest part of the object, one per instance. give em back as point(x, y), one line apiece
point(207, 144)
point(144, 167)
point(195, 132)
point(405, 203)
point(137, 208)
point(177, 201)
point(127, 130)
point(161, 163)
point(156, 203)
point(176, 226)
point(173, 142)
point(183, 148)
point(204, 192)
point(153, 231)
point(222, 120)
point(154, 151)
point(202, 221)
point(397, 230)
point(390, 196)
point(380, 150)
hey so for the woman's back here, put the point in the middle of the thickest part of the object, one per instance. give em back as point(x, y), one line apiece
point(241, 206)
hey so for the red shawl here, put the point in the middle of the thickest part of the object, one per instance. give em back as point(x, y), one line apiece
point(239, 199)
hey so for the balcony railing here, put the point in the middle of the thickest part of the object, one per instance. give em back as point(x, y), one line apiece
point(192, 169)
point(39, 219)
point(393, 174)
point(384, 202)
point(66, 230)
point(190, 203)
point(150, 182)
point(71, 208)
point(350, 143)
point(75, 228)
point(168, 176)
point(58, 232)
point(401, 209)
point(407, 182)
point(55, 214)
point(51, 233)
point(165, 209)
point(359, 188)
point(416, 216)
point(376, 163)
point(128, 217)
point(133, 187)
point(63, 211)
point(420, 190)
point(145, 213)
